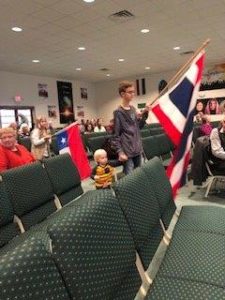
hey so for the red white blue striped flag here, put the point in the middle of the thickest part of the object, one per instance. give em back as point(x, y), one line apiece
point(175, 111)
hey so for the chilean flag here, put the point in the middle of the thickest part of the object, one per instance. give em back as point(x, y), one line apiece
point(175, 111)
point(69, 141)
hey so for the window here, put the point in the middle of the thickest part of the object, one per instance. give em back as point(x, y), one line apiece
point(19, 115)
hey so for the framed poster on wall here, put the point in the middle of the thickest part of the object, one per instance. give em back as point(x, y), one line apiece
point(65, 98)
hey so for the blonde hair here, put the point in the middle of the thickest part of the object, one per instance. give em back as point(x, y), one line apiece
point(98, 153)
point(7, 130)
point(39, 119)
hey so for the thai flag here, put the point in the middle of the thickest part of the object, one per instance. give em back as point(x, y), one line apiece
point(175, 111)
point(69, 141)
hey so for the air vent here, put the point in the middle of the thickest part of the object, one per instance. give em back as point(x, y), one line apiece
point(104, 69)
point(121, 16)
point(187, 52)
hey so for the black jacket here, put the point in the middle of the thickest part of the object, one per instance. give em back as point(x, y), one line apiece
point(199, 172)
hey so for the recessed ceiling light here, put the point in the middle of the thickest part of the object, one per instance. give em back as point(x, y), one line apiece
point(36, 61)
point(17, 29)
point(147, 68)
point(78, 69)
point(81, 48)
point(89, 1)
point(108, 75)
point(176, 48)
point(121, 59)
point(145, 30)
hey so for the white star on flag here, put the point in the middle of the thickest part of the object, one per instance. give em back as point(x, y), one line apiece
point(63, 140)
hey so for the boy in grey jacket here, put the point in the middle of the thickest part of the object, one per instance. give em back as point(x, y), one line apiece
point(127, 129)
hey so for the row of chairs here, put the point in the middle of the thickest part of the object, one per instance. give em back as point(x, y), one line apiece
point(158, 145)
point(31, 193)
point(86, 250)
point(26, 142)
point(100, 246)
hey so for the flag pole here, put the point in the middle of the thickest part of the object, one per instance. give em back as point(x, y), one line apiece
point(182, 70)
point(63, 129)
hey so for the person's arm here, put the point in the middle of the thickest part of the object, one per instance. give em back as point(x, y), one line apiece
point(117, 140)
point(217, 149)
point(3, 160)
point(36, 141)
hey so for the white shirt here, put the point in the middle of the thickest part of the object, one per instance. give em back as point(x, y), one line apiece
point(217, 149)
point(102, 129)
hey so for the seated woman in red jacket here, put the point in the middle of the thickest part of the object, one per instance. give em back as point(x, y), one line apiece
point(12, 154)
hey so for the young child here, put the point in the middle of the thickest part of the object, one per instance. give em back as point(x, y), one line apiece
point(102, 172)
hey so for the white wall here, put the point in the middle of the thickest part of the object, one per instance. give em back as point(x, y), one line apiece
point(108, 99)
point(12, 84)
point(103, 97)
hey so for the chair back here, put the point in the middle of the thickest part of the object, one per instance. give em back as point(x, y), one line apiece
point(8, 229)
point(30, 193)
point(29, 272)
point(94, 249)
point(64, 177)
point(141, 209)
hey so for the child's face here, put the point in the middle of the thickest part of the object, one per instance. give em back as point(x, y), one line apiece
point(102, 159)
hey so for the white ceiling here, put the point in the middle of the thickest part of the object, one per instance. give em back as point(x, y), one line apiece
point(54, 29)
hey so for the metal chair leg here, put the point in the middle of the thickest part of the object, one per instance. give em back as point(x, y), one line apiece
point(209, 185)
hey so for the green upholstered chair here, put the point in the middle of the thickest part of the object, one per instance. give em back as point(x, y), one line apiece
point(157, 179)
point(8, 229)
point(54, 146)
point(64, 177)
point(141, 209)
point(150, 146)
point(97, 142)
point(202, 219)
point(30, 193)
point(96, 134)
point(26, 142)
point(156, 130)
point(164, 146)
point(176, 289)
point(154, 125)
point(164, 149)
point(144, 132)
point(195, 256)
point(29, 272)
point(94, 249)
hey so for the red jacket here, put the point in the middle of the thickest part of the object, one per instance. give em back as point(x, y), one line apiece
point(12, 159)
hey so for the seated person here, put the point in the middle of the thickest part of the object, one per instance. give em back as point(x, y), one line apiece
point(24, 131)
point(206, 127)
point(12, 154)
point(198, 118)
point(99, 127)
point(89, 129)
point(102, 172)
point(217, 139)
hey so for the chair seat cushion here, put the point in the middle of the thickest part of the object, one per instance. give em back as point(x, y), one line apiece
point(196, 256)
point(164, 288)
point(202, 219)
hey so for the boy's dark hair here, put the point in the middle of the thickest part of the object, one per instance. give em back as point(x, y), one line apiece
point(123, 85)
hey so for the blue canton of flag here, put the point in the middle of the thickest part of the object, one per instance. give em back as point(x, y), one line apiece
point(62, 140)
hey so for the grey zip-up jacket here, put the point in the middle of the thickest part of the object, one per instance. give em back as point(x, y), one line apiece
point(127, 133)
